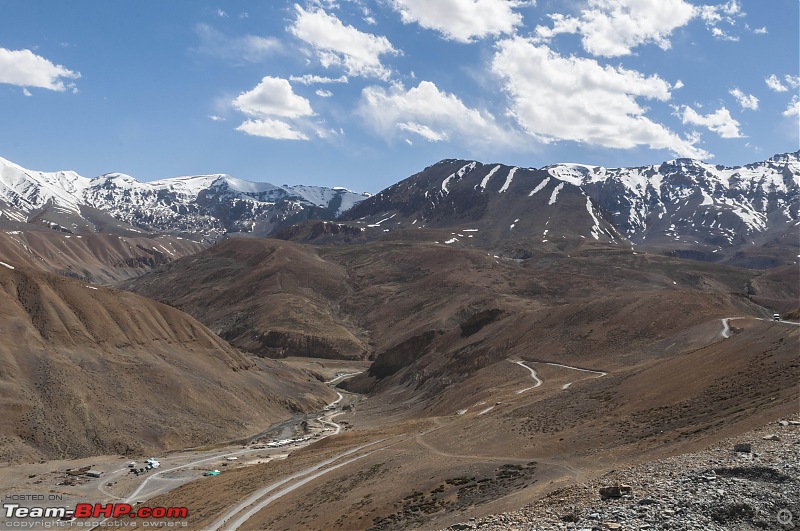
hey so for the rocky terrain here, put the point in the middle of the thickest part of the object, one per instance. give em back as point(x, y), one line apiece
point(717, 489)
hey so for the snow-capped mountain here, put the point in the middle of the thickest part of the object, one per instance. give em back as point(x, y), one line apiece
point(681, 204)
point(205, 206)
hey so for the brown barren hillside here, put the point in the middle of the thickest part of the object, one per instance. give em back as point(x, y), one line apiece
point(96, 258)
point(87, 370)
point(268, 297)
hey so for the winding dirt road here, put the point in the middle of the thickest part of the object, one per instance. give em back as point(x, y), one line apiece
point(726, 329)
point(533, 375)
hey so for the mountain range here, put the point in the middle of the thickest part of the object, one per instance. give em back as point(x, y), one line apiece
point(690, 208)
point(201, 207)
point(687, 207)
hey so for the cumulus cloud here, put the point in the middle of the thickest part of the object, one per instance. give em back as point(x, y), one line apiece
point(272, 102)
point(747, 101)
point(462, 20)
point(24, 68)
point(324, 93)
point(339, 45)
point(269, 128)
point(573, 98)
point(309, 79)
point(720, 121)
point(431, 114)
point(273, 96)
point(775, 84)
point(612, 28)
point(793, 109)
point(250, 48)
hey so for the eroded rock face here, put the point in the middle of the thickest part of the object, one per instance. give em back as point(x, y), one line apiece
point(282, 344)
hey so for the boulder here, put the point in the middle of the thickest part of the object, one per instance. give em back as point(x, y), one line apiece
point(616, 491)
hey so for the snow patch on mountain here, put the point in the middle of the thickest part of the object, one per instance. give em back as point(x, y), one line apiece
point(554, 195)
point(485, 180)
point(539, 187)
point(509, 178)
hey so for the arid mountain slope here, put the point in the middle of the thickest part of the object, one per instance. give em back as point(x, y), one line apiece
point(96, 258)
point(268, 297)
point(438, 313)
point(433, 314)
point(87, 370)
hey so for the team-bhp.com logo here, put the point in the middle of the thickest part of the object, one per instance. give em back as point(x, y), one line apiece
point(97, 510)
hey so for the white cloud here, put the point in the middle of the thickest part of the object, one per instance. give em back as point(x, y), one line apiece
point(343, 46)
point(462, 20)
point(793, 81)
point(309, 79)
point(270, 128)
point(612, 28)
point(221, 13)
point(723, 36)
point(216, 118)
point(760, 31)
point(726, 13)
point(793, 109)
point(273, 97)
point(775, 84)
point(24, 68)
point(251, 48)
point(324, 93)
point(424, 131)
point(720, 121)
point(573, 98)
point(747, 101)
point(678, 85)
point(430, 113)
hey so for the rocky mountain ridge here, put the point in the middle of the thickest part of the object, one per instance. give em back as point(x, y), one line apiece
point(202, 207)
point(686, 206)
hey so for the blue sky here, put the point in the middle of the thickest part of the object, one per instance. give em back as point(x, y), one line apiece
point(362, 93)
